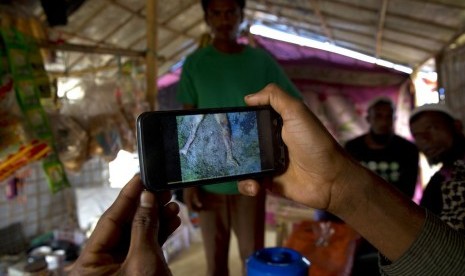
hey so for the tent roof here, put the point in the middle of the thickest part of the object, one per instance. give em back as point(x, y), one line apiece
point(407, 32)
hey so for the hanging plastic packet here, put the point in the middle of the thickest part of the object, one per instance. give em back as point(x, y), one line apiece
point(55, 173)
point(97, 114)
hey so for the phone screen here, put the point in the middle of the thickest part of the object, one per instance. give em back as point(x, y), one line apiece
point(210, 146)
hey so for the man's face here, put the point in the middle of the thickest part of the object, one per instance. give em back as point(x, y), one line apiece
point(224, 18)
point(380, 118)
point(434, 136)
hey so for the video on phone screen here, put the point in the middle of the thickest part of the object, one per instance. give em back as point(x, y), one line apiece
point(218, 145)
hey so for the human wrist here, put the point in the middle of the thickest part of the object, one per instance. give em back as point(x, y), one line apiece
point(350, 189)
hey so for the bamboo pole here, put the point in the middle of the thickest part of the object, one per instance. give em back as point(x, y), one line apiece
point(315, 4)
point(81, 73)
point(151, 70)
point(379, 33)
point(90, 49)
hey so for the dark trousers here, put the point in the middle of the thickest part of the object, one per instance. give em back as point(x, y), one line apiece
point(220, 213)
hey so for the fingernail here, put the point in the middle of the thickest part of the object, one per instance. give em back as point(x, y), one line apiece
point(250, 95)
point(146, 199)
point(250, 189)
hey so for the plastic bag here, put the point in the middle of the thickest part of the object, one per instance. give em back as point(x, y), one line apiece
point(130, 96)
point(71, 141)
point(101, 116)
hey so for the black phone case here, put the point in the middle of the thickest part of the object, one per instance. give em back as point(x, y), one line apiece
point(150, 136)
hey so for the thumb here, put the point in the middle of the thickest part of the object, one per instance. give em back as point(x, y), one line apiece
point(145, 256)
point(273, 95)
point(145, 224)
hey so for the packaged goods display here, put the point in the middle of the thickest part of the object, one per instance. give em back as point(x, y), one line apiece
point(62, 133)
point(27, 135)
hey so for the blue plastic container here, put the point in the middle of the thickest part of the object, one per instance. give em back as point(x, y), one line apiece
point(277, 261)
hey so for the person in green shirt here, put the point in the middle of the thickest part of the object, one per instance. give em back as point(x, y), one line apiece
point(220, 75)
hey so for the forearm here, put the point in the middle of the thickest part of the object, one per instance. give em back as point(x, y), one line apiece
point(380, 213)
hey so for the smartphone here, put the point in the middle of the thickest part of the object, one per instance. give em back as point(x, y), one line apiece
point(185, 148)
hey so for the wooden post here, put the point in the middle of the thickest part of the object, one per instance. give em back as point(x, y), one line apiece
point(151, 55)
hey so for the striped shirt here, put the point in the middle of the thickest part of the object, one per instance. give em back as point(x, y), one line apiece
point(438, 250)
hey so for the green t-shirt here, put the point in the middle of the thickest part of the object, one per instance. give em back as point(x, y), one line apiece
point(211, 78)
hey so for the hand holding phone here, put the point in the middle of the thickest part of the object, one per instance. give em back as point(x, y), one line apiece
point(204, 146)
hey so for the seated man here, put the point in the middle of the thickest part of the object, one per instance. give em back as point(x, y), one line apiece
point(439, 135)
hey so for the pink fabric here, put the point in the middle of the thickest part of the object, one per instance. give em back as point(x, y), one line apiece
point(286, 51)
point(169, 79)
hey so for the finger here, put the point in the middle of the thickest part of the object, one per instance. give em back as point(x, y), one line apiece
point(248, 187)
point(170, 221)
point(170, 210)
point(273, 95)
point(145, 224)
point(164, 197)
point(108, 230)
point(296, 115)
